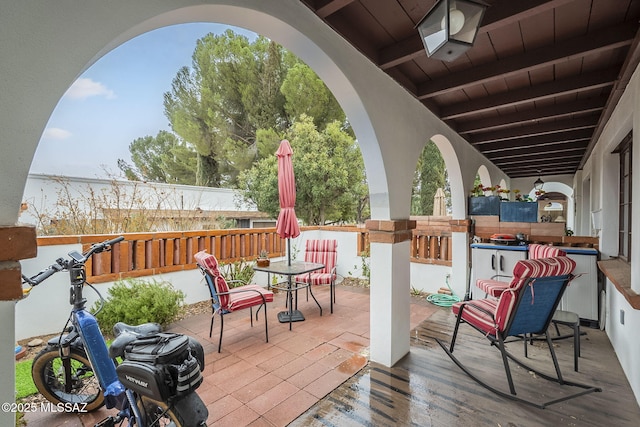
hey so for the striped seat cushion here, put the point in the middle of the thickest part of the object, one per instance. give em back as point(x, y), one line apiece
point(247, 296)
point(240, 297)
point(492, 287)
point(478, 313)
point(321, 252)
point(492, 315)
point(544, 251)
point(316, 278)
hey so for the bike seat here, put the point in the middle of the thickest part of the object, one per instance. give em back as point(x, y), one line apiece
point(126, 333)
point(143, 329)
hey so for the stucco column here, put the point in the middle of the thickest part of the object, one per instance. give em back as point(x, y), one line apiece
point(16, 243)
point(390, 289)
point(461, 260)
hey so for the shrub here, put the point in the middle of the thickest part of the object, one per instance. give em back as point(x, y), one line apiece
point(136, 301)
point(366, 268)
point(238, 270)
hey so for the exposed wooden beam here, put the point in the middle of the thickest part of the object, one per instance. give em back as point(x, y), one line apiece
point(532, 153)
point(536, 130)
point(534, 169)
point(628, 68)
point(329, 7)
point(401, 52)
point(595, 79)
point(533, 172)
point(589, 44)
point(531, 169)
point(583, 106)
point(506, 12)
point(550, 142)
point(500, 14)
point(571, 156)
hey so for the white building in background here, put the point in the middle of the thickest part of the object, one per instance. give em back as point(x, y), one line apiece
point(203, 206)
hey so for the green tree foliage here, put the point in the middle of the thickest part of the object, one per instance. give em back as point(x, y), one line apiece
point(163, 158)
point(231, 91)
point(329, 175)
point(429, 176)
point(306, 94)
point(233, 106)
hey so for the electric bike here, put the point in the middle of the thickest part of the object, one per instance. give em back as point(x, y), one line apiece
point(149, 376)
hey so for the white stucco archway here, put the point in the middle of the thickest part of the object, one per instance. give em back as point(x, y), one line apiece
point(46, 45)
point(485, 177)
point(559, 187)
point(47, 57)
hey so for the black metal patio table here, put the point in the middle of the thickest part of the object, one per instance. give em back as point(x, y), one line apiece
point(290, 270)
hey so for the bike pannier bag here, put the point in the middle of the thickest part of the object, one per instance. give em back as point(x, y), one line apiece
point(145, 379)
point(160, 366)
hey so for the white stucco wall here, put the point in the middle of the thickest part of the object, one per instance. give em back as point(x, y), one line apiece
point(41, 193)
point(50, 300)
point(600, 176)
point(624, 337)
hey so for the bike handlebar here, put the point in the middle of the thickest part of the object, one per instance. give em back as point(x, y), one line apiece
point(62, 264)
point(43, 275)
point(100, 247)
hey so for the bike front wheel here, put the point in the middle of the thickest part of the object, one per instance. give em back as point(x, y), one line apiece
point(189, 411)
point(71, 382)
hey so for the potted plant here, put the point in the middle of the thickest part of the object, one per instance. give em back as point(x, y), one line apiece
point(263, 259)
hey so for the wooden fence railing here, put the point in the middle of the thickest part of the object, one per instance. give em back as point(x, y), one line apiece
point(431, 242)
point(146, 254)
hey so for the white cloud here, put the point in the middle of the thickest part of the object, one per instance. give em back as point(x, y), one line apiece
point(56, 133)
point(84, 88)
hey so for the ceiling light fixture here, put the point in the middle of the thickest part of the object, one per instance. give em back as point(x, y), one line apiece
point(449, 29)
point(539, 183)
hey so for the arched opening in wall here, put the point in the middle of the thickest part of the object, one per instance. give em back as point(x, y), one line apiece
point(482, 180)
point(484, 186)
point(204, 105)
point(552, 207)
point(436, 191)
point(555, 203)
point(431, 192)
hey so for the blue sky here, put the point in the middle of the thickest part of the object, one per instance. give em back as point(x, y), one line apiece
point(117, 100)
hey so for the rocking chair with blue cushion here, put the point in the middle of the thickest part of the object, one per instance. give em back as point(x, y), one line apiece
point(225, 300)
point(494, 287)
point(526, 307)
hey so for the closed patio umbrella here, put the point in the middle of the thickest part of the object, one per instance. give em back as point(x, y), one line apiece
point(287, 223)
point(439, 204)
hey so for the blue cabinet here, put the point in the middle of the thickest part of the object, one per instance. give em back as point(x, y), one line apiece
point(519, 211)
point(489, 205)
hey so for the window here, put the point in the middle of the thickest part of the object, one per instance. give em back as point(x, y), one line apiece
point(624, 231)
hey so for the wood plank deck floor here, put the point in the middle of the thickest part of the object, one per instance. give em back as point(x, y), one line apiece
point(426, 388)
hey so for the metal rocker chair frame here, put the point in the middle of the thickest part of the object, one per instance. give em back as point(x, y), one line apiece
point(526, 318)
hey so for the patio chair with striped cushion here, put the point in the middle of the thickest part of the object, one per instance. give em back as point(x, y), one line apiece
point(225, 300)
point(525, 307)
point(322, 252)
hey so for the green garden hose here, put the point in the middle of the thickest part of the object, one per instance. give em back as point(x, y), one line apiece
point(444, 300)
